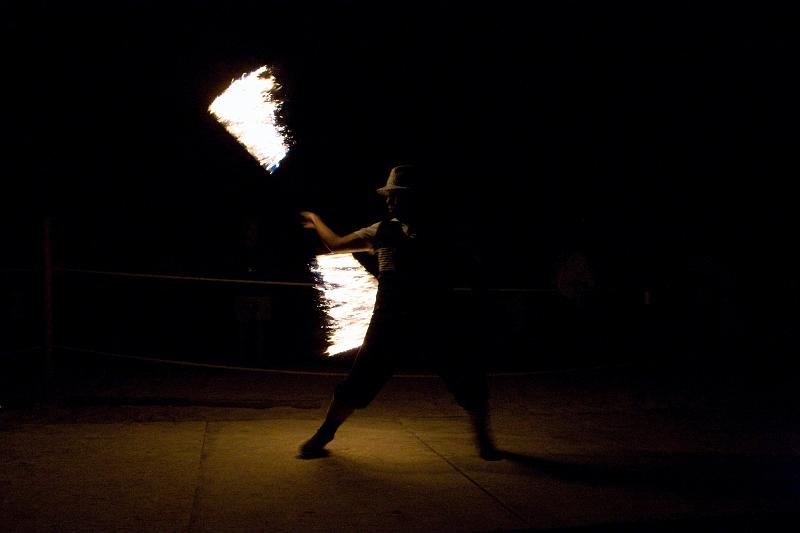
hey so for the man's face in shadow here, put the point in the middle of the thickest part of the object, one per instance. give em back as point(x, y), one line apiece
point(398, 203)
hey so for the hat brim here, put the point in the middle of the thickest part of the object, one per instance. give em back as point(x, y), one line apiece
point(386, 190)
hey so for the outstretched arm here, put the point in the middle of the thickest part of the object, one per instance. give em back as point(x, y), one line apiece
point(332, 241)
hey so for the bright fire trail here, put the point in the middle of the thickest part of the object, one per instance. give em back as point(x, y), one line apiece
point(349, 295)
point(249, 110)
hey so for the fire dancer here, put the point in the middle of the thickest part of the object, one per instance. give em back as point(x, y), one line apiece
point(413, 308)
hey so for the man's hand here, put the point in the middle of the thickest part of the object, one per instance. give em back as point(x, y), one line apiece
point(333, 242)
point(309, 219)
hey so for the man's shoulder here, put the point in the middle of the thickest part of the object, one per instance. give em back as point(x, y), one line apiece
point(368, 231)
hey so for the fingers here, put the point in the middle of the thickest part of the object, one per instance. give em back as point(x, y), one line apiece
point(309, 219)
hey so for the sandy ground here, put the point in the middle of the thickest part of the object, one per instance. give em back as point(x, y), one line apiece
point(134, 447)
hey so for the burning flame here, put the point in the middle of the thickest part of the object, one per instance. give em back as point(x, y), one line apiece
point(249, 111)
point(348, 298)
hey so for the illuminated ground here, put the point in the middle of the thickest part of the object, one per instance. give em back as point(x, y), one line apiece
point(177, 449)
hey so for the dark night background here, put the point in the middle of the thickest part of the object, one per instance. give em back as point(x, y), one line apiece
point(652, 143)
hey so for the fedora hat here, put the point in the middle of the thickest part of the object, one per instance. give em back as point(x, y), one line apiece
point(401, 178)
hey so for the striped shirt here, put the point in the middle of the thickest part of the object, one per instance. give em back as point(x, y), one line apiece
point(387, 254)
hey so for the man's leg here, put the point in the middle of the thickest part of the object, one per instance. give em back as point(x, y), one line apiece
point(338, 412)
point(468, 383)
point(483, 436)
point(470, 390)
point(373, 367)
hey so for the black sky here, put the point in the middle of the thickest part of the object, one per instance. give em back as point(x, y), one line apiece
point(645, 134)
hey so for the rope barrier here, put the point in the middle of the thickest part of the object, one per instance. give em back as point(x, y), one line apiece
point(264, 370)
point(198, 365)
point(21, 350)
point(253, 281)
point(312, 372)
point(188, 278)
point(506, 289)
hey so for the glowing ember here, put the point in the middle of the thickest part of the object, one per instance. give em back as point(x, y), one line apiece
point(248, 109)
point(348, 297)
